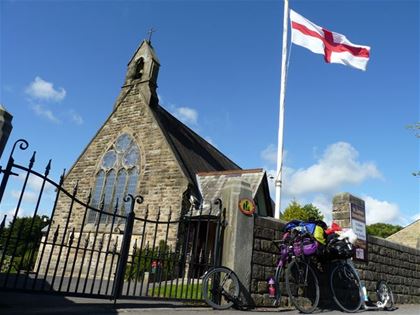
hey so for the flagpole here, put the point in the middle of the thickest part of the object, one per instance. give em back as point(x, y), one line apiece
point(278, 181)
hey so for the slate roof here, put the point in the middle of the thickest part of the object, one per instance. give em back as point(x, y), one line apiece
point(212, 183)
point(193, 153)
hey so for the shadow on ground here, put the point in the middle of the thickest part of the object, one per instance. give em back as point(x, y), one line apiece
point(12, 303)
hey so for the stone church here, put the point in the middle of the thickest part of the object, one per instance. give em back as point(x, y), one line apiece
point(141, 149)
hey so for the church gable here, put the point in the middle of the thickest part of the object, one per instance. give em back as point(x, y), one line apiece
point(168, 153)
point(158, 175)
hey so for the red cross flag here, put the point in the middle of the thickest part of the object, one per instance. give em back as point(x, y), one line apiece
point(335, 47)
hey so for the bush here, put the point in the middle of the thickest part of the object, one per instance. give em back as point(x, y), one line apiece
point(160, 260)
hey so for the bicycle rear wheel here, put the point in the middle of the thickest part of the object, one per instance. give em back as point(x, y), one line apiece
point(345, 288)
point(302, 286)
point(384, 294)
point(220, 288)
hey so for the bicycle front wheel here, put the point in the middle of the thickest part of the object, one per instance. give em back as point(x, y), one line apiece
point(345, 288)
point(302, 286)
point(220, 288)
point(384, 294)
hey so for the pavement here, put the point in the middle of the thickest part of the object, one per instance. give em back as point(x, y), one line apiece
point(15, 303)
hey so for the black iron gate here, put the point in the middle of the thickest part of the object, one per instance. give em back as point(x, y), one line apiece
point(142, 254)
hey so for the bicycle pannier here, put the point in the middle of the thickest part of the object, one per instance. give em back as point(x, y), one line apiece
point(340, 249)
point(307, 247)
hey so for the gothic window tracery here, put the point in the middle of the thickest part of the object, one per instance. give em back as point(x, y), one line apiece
point(117, 176)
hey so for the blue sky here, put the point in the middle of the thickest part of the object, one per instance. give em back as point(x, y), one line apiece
point(62, 64)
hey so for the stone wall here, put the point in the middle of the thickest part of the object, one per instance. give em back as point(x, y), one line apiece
point(397, 264)
point(264, 258)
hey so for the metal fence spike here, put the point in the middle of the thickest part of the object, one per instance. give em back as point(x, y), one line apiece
point(89, 197)
point(116, 206)
point(3, 222)
point(32, 160)
point(56, 234)
point(102, 205)
point(71, 238)
point(47, 168)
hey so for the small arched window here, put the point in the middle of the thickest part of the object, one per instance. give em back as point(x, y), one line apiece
point(139, 69)
point(117, 176)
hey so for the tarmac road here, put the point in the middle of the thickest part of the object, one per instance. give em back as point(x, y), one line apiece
point(13, 303)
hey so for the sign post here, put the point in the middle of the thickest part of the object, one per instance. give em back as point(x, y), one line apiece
point(358, 224)
point(349, 212)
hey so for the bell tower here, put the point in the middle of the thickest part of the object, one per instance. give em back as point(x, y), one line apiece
point(143, 70)
point(143, 66)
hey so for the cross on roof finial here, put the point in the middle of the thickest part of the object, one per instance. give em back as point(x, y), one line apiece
point(150, 32)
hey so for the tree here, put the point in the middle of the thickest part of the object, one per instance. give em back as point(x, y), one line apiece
point(295, 211)
point(382, 229)
point(23, 240)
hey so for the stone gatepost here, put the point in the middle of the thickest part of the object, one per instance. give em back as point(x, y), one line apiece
point(238, 234)
point(342, 205)
point(5, 127)
point(349, 212)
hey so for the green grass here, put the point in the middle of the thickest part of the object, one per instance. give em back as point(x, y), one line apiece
point(182, 291)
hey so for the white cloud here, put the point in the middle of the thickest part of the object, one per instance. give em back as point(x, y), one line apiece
point(186, 114)
point(35, 183)
point(28, 196)
point(324, 203)
point(381, 211)
point(269, 154)
point(75, 117)
point(11, 212)
point(42, 90)
point(338, 165)
point(44, 112)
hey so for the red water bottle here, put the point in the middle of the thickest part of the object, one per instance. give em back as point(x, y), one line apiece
point(271, 288)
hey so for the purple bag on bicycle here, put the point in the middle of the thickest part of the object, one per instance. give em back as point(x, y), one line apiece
point(306, 246)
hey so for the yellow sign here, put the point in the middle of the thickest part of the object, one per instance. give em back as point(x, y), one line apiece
point(247, 206)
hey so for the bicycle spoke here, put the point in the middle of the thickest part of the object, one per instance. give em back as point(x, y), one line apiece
point(221, 288)
point(302, 286)
point(345, 287)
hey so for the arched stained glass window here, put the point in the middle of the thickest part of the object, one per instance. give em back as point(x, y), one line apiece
point(117, 176)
